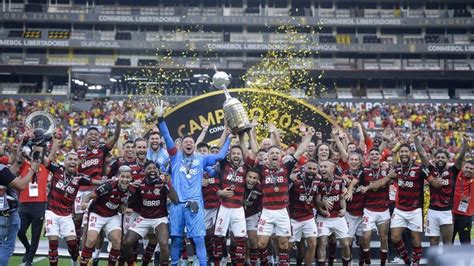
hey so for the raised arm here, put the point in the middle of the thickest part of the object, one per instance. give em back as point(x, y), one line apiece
point(75, 141)
point(419, 148)
point(460, 156)
point(160, 112)
point(274, 135)
point(118, 122)
point(243, 145)
point(224, 135)
point(54, 148)
point(203, 133)
point(212, 159)
point(335, 133)
point(304, 143)
point(362, 145)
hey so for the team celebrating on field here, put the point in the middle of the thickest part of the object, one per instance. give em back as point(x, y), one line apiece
point(259, 197)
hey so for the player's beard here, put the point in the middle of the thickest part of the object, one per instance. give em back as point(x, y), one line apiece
point(310, 175)
point(441, 166)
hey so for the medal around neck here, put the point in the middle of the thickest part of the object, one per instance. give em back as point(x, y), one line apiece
point(234, 112)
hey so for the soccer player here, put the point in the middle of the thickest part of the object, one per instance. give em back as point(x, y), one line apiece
point(440, 218)
point(153, 192)
point(274, 181)
point(355, 207)
point(187, 168)
point(109, 198)
point(376, 213)
point(302, 194)
point(138, 173)
point(331, 214)
point(231, 214)
point(252, 207)
point(156, 152)
point(408, 212)
point(64, 185)
point(91, 160)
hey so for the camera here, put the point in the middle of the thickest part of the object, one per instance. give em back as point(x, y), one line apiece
point(40, 139)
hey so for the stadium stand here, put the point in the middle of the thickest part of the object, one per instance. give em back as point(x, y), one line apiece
point(428, 42)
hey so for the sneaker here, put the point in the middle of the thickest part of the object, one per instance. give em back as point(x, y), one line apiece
point(396, 260)
point(95, 262)
point(224, 261)
point(195, 261)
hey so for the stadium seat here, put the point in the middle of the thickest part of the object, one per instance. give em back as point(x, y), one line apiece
point(15, 34)
point(393, 93)
point(344, 93)
point(420, 94)
point(438, 94)
point(374, 93)
point(465, 94)
point(59, 34)
point(32, 34)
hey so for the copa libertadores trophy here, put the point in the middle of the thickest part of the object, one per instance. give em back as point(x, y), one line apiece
point(234, 112)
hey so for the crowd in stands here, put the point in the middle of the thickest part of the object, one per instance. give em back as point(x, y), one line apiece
point(443, 122)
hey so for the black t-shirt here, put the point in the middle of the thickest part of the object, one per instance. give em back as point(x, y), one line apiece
point(6, 177)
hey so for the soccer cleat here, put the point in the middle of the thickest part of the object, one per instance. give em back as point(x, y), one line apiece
point(74, 263)
point(95, 262)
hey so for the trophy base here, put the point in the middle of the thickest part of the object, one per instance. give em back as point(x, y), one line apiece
point(242, 130)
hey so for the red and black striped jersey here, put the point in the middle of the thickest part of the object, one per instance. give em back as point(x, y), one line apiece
point(91, 163)
point(153, 197)
point(109, 197)
point(302, 194)
point(356, 206)
point(233, 178)
point(410, 180)
point(441, 199)
point(115, 164)
point(376, 199)
point(331, 191)
point(209, 192)
point(253, 200)
point(275, 185)
point(138, 173)
point(63, 190)
point(138, 170)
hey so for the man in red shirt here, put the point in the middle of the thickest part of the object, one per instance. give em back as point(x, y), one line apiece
point(463, 204)
point(331, 219)
point(376, 214)
point(64, 185)
point(32, 208)
point(440, 217)
point(253, 207)
point(231, 214)
point(410, 178)
point(109, 198)
point(274, 181)
point(92, 157)
point(302, 194)
point(153, 191)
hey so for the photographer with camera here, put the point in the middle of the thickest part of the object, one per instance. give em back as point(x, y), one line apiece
point(9, 217)
point(34, 197)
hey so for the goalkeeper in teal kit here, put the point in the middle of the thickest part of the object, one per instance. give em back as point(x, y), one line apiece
point(187, 169)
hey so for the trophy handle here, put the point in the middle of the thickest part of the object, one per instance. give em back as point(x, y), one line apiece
point(226, 92)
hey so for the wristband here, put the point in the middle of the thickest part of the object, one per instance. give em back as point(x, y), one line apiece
point(161, 119)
